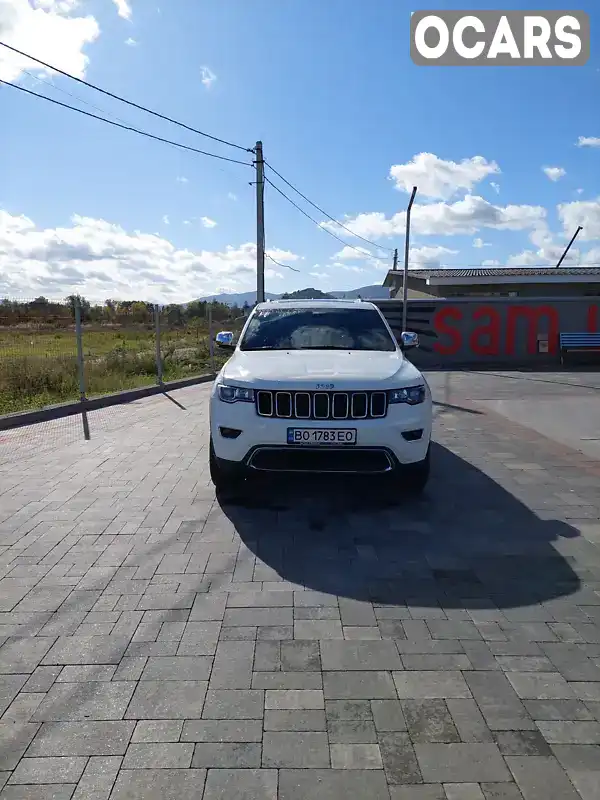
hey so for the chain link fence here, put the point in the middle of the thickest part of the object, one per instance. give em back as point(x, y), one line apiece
point(56, 352)
point(38, 354)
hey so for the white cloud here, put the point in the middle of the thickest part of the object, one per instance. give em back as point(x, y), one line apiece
point(495, 187)
point(554, 173)
point(581, 212)
point(208, 77)
point(166, 220)
point(490, 262)
point(123, 8)
point(182, 179)
point(527, 258)
point(48, 28)
point(466, 216)
point(436, 178)
point(131, 42)
point(591, 257)
point(321, 275)
point(428, 256)
point(207, 222)
point(588, 141)
point(480, 243)
point(353, 253)
point(99, 259)
point(232, 196)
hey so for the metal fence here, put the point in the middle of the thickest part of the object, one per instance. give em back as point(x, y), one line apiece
point(56, 352)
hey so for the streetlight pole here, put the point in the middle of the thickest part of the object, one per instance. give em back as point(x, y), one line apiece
point(406, 251)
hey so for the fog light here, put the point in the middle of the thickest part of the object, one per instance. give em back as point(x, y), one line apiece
point(412, 436)
point(229, 433)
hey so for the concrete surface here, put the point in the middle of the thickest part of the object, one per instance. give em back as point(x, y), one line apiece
point(316, 643)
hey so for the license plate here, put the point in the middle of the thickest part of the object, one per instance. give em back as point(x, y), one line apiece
point(321, 436)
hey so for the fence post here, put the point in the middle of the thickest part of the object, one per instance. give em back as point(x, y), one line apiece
point(159, 370)
point(81, 367)
point(211, 345)
point(80, 363)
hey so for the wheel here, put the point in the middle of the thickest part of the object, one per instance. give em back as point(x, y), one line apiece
point(228, 481)
point(417, 475)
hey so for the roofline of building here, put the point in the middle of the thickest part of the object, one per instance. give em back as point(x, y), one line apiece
point(561, 276)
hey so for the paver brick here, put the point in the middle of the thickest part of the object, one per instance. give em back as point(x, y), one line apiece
point(81, 701)
point(461, 763)
point(331, 784)
point(159, 784)
point(67, 769)
point(84, 738)
point(241, 784)
point(160, 755)
point(358, 655)
point(167, 700)
point(293, 749)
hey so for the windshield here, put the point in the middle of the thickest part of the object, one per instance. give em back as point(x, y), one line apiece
point(317, 329)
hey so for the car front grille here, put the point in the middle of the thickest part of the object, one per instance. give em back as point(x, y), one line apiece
point(321, 405)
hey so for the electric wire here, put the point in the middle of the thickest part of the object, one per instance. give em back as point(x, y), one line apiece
point(279, 264)
point(320, 210)
point(124, 100)
point(314, 221)
point(125, 127)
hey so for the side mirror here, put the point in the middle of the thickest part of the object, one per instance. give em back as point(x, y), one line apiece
point(225, 339)
point(408, 340)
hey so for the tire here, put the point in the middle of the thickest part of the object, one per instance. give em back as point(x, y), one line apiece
point(228, 481)
point(417, 475)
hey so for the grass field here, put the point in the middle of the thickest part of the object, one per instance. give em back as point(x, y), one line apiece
point(39, 367)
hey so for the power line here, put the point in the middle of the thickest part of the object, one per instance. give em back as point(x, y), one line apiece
point(320, 210)
point(279, 264)
point(314, 221)
point(71, 94)
point(125, 127)
point(123, 100)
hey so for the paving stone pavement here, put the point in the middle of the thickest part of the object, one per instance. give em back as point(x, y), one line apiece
point(317, 643)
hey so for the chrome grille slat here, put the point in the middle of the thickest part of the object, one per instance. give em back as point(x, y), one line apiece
point(359, 397)
point(283, 401)
point(304, 397)
point(321, 406)
point(345, 403)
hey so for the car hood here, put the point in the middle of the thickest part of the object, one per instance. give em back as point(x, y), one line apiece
point(309, 367)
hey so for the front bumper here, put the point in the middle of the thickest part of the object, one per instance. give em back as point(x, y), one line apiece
point(381, 444)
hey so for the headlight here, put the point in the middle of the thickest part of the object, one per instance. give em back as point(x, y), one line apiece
point(413, 395)
point(235, 394)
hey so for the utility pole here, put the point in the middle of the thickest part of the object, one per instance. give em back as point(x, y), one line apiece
point(395, 267)
point(575, 235)
point(406, 250)
point(260, 223)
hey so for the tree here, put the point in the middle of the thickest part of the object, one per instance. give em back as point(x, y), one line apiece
point(84, 305)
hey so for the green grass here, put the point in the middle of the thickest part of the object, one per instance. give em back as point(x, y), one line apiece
point(39, 368)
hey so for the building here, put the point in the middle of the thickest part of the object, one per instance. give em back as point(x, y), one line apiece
point(497, 282)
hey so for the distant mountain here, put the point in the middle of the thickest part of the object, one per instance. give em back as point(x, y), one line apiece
point(238, 299)
point(374, 292)
point(307, 294)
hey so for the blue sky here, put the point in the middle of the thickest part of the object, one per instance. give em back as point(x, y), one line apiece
point(343, 113)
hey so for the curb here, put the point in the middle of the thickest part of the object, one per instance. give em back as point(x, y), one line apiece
point(21, 418)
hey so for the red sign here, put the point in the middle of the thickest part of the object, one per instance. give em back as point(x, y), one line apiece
point(499, 330)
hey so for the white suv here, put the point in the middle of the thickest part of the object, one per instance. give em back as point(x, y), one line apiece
point(319, 386)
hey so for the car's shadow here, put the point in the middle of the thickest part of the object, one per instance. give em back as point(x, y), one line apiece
point(466, 543)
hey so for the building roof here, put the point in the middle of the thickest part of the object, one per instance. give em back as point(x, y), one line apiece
point(500, 274)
